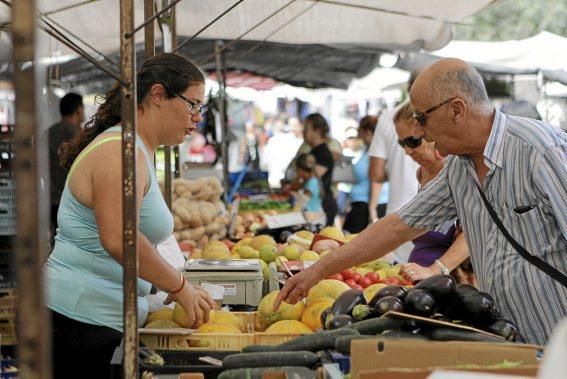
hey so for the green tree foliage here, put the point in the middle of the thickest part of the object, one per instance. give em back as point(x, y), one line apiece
point(515, 19)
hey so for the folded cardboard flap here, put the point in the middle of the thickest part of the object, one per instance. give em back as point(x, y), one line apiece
point(382, 354)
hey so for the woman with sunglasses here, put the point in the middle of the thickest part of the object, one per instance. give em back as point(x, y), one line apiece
point(433, 253)
point(84, 273)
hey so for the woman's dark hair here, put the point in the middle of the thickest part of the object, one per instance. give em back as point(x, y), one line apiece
point(175, 72)
point(317, 123)
point(306, 162)
point(368, 123)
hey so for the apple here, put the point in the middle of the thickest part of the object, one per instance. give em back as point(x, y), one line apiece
point(336, 277)
point(357, 287)
point(374, 277)
point(350, 283)
point(365, 282)
point(347, 274)
point(356, 276)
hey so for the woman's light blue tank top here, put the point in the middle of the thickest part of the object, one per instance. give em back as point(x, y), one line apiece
point(83, 282)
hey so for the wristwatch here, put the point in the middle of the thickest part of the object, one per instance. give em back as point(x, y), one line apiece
point(444, 269)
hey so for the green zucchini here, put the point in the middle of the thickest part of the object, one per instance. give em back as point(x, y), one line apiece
point(452, 334)
point(258, 348)
point(342, 344)
point(377, 325)
point(257, 373)
point(270, 359)
point(316, 341)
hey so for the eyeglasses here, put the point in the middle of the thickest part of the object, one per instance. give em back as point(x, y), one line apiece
point(410, 142)
point(195, 108)
point(421, 118)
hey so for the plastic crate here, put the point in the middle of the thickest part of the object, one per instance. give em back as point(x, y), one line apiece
point(7, 332)
point(198, 342)
point(8, 303)
point(176, 362)
point(209, 341)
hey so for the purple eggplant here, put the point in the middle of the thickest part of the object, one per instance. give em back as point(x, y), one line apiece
point(345, 303)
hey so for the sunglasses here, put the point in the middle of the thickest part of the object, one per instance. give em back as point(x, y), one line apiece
point(421, 118)
point(194, 107)
point(410, 142)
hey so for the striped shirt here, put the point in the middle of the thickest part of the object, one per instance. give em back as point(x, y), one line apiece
point(527, 161)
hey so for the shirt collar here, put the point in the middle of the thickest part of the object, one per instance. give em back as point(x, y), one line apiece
point(494, 150)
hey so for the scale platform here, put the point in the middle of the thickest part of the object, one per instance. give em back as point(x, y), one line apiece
point(242, 279)
point(223, 265)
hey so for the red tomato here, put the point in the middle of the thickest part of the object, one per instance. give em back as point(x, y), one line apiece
point(347, 274)
point(351, 283)
point(365, 282)
point(356, 276)
point(391, 281)
point(357, 287)
point(374, 277)
point(336, 277)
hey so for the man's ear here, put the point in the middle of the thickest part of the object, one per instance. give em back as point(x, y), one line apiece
point(458, 110)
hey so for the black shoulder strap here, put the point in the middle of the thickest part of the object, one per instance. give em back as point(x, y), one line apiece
point(539, 263)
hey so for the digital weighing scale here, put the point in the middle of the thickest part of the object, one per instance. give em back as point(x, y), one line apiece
point(241, 278)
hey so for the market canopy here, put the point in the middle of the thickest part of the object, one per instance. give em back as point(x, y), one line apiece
point(545, 52)
point(347, 36)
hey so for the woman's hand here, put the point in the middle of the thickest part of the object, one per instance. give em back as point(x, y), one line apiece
point(413, 272)
point(196, 302)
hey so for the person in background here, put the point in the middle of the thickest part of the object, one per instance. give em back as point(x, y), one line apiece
point(352, 148)
point(359, 215)
point(388, 163)
point(379, 192)
point(249, 148)
point(72, 113)
point(84, 274)
point(433, 253)
point(306, 166)
point(279, 153)
point(316, 135)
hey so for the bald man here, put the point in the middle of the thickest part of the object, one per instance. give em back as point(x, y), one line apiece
point(521, 166)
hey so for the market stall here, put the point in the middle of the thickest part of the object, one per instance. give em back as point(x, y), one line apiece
point(332, 330)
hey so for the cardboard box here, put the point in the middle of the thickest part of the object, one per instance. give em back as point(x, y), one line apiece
point(415, 359)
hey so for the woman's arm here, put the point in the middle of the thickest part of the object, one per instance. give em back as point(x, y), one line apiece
point(452, 258)
point(107, 204)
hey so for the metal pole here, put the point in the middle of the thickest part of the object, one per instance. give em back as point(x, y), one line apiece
point(167, 27)
point(222, 110)
point(31, 243)
point(149, 30)
point(174, 48)
point(129, 216)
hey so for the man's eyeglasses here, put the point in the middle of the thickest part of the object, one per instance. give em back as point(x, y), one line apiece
point(410, 142)
point(194, 107)
point(421, 118)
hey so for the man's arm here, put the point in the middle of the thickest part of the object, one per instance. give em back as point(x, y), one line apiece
point(374, 242)
point(432, 208)
point(550, 177)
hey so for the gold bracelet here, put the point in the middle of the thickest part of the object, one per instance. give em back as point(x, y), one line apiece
point(179, 286)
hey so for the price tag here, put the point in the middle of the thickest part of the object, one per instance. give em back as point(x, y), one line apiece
point(284, 219)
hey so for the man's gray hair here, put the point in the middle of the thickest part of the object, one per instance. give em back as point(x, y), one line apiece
point(465, 83)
